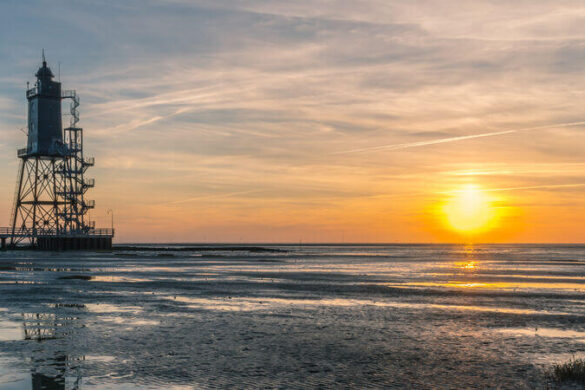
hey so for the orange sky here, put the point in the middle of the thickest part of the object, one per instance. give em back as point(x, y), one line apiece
point(352, 121)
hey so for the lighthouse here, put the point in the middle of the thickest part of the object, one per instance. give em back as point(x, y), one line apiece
point(45, 135)
point(51, 209)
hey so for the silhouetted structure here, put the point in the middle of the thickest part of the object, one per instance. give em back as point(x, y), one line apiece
point(50, 208)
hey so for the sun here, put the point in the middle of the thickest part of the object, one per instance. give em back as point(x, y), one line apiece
point(470, 211)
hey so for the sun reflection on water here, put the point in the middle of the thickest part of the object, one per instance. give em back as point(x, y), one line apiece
point(466, 265)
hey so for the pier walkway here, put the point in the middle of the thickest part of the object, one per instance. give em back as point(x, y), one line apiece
point(50, 239)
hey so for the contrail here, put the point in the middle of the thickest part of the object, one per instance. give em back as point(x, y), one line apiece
point(455, 139)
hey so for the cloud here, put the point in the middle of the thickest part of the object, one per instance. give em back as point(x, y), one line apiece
point(209, 197)
point(181, 99)
point(542, 187)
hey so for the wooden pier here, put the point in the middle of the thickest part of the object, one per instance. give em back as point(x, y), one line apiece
point(93, 239)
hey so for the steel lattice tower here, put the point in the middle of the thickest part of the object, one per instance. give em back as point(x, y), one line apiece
point(50, 207)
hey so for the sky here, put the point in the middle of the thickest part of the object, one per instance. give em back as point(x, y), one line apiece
point(314, 121)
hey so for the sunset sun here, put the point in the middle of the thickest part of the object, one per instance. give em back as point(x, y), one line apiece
point(470, 211)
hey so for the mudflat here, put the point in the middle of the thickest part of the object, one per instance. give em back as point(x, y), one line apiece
point(290, 316)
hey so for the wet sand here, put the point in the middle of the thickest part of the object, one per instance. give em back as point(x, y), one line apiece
point(403, 316)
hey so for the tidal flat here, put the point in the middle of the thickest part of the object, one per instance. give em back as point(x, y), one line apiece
point(291, 316)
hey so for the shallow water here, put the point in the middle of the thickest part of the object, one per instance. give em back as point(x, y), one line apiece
point(394, 316)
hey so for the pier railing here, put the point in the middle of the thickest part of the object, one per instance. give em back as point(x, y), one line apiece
point(30, 232)
point(32, 91)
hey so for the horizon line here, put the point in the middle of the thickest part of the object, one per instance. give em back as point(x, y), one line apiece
point(343, 243)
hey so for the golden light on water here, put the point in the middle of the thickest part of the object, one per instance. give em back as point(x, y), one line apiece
point(470, 211)
point(467, 265)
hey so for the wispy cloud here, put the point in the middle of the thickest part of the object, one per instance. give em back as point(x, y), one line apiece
point(541, 187)
point(212, 196)
point(302, 102)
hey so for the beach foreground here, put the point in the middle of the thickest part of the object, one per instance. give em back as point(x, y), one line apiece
point(383, 316)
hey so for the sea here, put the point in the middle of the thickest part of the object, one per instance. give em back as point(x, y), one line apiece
point(219, 316)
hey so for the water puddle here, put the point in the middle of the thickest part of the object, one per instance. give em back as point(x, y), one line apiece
point(100, 358)
point(110, 308)
point(545, 332)
point(494, 286)
point(12, 381)
point(129, 321)
point(118, 279)
point(10, 331)
point(250, 304)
